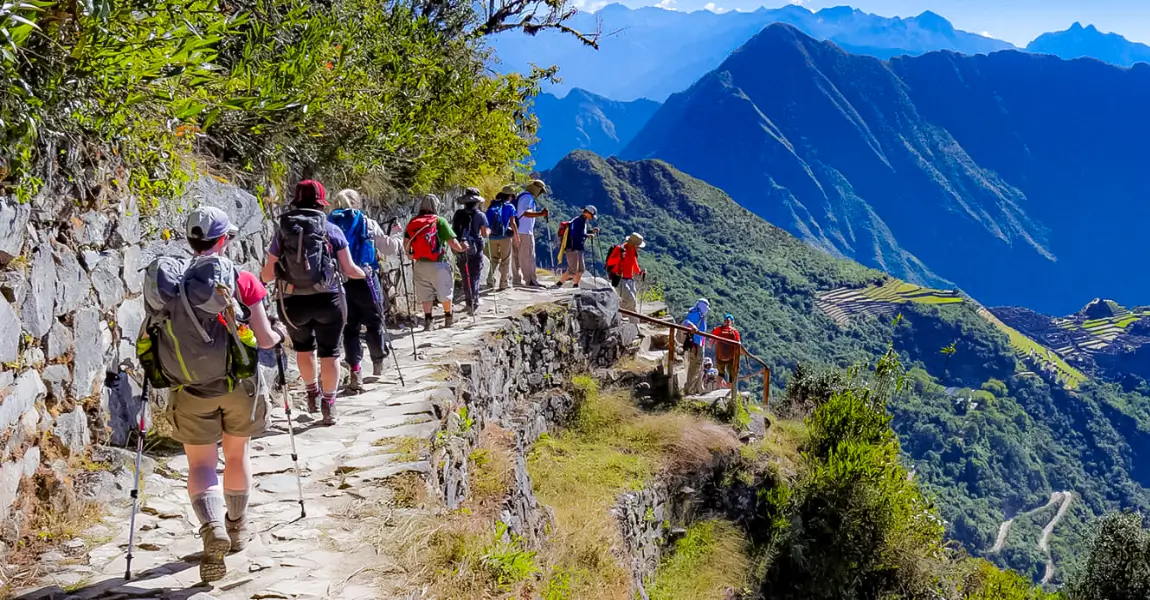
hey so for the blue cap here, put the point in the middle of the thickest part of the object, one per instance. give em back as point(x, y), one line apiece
point(728, 316)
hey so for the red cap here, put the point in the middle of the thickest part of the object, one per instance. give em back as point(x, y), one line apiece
point(308, 192)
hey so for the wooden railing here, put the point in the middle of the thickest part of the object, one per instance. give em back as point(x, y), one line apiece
point(740, 351)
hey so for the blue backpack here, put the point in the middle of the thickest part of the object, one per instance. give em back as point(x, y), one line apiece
point(360, 244)
point(499, 216)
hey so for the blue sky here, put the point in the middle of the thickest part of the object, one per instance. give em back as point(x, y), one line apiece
point(1017, 21)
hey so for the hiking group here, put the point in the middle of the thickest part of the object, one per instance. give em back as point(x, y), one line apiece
point(703, 373)
point(206, 320)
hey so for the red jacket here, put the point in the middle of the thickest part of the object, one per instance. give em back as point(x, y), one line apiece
point(723, 351)
point(629, 266)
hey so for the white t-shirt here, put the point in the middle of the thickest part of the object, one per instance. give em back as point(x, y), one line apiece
point(525, 204)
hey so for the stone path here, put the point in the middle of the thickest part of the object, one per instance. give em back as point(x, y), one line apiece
point(329, 553)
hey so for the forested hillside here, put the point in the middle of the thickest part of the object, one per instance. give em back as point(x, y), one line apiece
point(988, 438)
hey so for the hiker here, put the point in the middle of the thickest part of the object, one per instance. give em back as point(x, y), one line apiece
point(193, 342)
point(696, 319)
point(726, 354)
point(628, 269)
point(306, 258)
point(470, 226)
point(365, 299)
point(504, 233)
point(527, 210)
point(424, 238)
point(710, 375)
point(574, 237)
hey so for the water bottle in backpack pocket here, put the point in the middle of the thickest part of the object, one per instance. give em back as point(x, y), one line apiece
point(306, 263)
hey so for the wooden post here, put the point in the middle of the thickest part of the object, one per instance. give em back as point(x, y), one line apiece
point(766, 386)
point(735, 378)
point(670, 363)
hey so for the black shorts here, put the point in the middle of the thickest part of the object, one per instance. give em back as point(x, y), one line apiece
point(315, 323)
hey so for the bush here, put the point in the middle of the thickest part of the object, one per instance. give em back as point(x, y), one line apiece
point(1119, 564)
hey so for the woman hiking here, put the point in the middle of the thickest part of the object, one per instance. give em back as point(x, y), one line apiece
point(306, 259)
point(426, 239)
point(192, 310)
point(470, 225)
point(366, 242)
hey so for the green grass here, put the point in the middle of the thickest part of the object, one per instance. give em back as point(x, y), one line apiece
point(901, 292)
point(611, 447)
point(707, 562)
point(1023, 345)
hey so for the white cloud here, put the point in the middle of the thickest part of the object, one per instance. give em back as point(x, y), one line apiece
point(585, 6)
point(667, 4)
point(798, 2)
point(715, 9)
point(988, 34)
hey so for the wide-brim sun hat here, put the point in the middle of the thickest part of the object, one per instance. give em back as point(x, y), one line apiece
point(591, 209)
point(636, 240)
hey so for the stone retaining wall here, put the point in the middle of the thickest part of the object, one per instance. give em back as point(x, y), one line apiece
point(70, 309)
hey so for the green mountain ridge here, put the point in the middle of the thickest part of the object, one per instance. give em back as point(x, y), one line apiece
point(987, 437)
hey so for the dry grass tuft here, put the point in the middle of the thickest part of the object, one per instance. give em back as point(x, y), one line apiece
point(709, 563)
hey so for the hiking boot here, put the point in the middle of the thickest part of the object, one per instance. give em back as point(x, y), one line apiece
point(377, 367)
point(471, 310)
point(328, 410)
point(559, 285)
point(355, 381)
point(216, 545)
point(237, 532)
point(426, 324)
point(447, 320)
point(312, 403)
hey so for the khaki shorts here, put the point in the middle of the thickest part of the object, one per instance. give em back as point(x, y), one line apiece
point(433, 281)
point(575, 264)
point(203, 421)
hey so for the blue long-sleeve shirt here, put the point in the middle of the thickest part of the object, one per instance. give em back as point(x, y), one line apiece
point(577, 234)
point(696, 318)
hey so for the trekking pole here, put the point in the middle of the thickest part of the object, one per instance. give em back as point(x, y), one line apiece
point(281, 362)
point(387, 334)
point(470, 295)
point(551, 244)
point(136, 486)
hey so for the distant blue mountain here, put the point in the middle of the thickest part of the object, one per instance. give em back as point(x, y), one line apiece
point(652, 53)
point(585, 121)
point(1017, 177)
point(1079, 42)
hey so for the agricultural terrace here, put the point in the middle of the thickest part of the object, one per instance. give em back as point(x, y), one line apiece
point(1036, 355)
point(842, 304)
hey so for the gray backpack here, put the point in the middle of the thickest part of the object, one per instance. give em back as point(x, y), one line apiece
point(191, 334)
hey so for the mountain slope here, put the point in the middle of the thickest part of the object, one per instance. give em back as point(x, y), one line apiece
point(585, 121)
point(651, 52)
point(1006, 174)
point(987, 438)
point(1080, 42)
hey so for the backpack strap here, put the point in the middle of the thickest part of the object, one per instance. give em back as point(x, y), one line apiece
point(188, 308)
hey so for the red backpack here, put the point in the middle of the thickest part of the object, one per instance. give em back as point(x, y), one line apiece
point(423, 238)
point(615, 259)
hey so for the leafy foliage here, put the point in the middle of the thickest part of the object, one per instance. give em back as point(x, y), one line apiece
point(1119, 563)
point(377, 94)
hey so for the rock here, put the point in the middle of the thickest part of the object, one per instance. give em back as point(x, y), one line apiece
point(130, 316)
point(134, 269)
point(10, 474)
point(243, 208)
point(73, 287)
point(91, 229)
point(13, 228)
point(59, 340)
point(20, 398)
point(9, 333)
point(597, 310)
point(106, 280)
point(37, 309)
point(88, 361)
point(71, 431)
point(55, 378)
point(31, 461)
point(121, 403)
point(127, 230)
point(32, 358)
